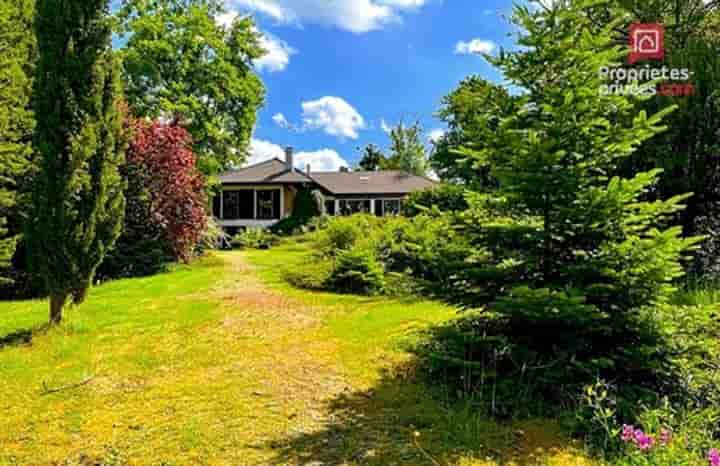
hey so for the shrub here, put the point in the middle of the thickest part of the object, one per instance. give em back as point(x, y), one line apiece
point(254, 238)
point(308, 204)
point(342, 233)
point(175, 186)
point(445, 198)
point(357, 271)
point(165, 216)
point(311, 275)
point(429, 249)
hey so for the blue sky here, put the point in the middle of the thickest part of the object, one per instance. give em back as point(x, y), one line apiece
point(339, 68)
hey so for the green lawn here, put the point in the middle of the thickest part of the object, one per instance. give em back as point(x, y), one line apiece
point(222, 362)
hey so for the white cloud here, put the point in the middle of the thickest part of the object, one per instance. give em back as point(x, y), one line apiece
point(323, 160)
point(357, 16)
point(261, 151)
point(281, 121)
point(385, 126)
point(404, 4)
point(436, 134)
point(271, 8)
point(474, 46)
point(277, 51)
point(334, 116)
point(277, 54)
point(320, 160)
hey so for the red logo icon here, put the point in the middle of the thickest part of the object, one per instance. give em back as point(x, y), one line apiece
point(647, 42)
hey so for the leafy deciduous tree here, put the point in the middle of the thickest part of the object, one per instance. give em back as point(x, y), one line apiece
point(471, 111)
point(180, 62)
point(407, 150)
point(78, 200)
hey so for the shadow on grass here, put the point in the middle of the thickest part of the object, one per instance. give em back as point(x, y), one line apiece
point(23, 337)
point(403, 421)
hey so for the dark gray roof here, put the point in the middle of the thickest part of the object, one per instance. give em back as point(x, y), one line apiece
point(381, 182)
point(270, 171)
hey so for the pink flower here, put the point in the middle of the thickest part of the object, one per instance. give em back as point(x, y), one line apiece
point(628, 433)
point(665, 437)
point(643, 441)
point(714, 457)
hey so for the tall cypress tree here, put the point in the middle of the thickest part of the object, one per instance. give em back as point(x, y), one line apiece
point(16, 121)
point(78, 201)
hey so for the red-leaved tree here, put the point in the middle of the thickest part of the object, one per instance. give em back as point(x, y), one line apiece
point(162, 153)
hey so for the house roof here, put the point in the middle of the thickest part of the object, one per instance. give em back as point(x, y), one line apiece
point(270, 171)
point(380, 182)
point(352, 183)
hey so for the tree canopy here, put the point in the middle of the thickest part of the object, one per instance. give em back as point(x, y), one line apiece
point(407, 149)
point(179, 62)
point(564, 247)
point(472, 112)
point(17, 56)
point(372, 159)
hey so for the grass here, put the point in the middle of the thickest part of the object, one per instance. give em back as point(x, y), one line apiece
point(224, 363)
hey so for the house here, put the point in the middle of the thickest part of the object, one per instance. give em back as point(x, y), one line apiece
point(261, 195)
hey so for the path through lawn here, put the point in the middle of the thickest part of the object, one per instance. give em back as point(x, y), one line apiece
point(222, 363)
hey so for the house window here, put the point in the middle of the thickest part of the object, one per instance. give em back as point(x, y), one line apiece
point(238, 205)
point(355, 207)
point(391, 207)
point(330, 207)
point(268, 205)
point(386, 207)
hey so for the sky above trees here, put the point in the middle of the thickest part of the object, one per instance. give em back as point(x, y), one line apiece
point(339, 73)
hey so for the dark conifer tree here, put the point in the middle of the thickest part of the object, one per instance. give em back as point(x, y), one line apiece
point(16, 121)
point(78, 201)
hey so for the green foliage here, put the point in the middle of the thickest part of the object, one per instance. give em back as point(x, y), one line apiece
point(357, 271)
point(403, 256)
point(687, 152)
point(660, 436)
point(17, 59)
point(372, 159)
point(179, 61)
point(445, 198)
point(407, 150)
point(309, 204)
point(569, 262)
point(311, 275)
point(78, 200)
point(472, 113)
point(254, 238)
point(343, 233)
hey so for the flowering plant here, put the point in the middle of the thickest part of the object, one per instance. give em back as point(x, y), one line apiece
point(643, 449)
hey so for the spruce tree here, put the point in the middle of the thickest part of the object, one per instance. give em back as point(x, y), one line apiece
point(78, 201)
point(572, 256)
point(16, 120)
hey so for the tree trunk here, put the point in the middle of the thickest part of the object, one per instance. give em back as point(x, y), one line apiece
point(57, 303)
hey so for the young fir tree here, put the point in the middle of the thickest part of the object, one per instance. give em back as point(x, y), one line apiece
point(78, 201)
point(16, 120)
point(571, 255)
